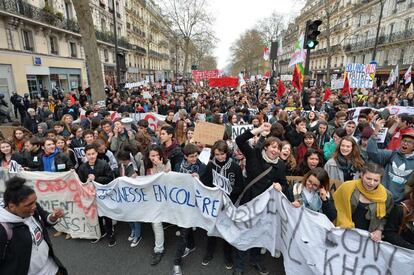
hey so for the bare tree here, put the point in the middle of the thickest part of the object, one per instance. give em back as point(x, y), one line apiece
point(191, 21)
point(247, 54)
point(87, 30)
point(271, 27)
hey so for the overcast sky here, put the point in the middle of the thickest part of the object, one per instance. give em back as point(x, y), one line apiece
point(233, 17)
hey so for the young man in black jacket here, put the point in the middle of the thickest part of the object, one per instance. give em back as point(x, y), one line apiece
point(98, 170)
point(23, 225)
point(222, 165)
point(190, 165)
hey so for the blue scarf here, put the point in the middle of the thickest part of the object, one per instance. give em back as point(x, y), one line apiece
point(49, 162)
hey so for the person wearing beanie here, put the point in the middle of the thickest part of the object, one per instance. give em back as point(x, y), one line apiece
point(31, 121)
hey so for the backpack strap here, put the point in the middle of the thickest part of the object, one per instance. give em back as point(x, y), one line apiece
point(8, 227)
point(9, 230)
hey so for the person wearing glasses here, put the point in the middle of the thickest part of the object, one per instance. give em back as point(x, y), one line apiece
point(398, 164)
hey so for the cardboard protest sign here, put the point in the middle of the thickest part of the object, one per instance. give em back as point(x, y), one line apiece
point(208, 133)
point(7, 131)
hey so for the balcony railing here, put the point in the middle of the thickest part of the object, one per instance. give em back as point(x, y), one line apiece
point(19, 7)
point(109, 38)
point(382, 40)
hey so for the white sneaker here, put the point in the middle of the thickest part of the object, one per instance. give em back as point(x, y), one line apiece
point(136, 242)
point(177, 270)
point(130, 238)
point(187, 251)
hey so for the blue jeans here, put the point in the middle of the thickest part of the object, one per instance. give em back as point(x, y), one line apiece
point(135, 230)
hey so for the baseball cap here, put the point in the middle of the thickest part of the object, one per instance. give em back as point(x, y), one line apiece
point(408, 133)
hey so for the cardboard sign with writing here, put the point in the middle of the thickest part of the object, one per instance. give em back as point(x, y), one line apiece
point(208, 133)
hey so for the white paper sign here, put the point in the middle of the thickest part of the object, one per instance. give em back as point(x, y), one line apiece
point(382, 134)
point(222, 182)
point(237, 130)
point(204, 156)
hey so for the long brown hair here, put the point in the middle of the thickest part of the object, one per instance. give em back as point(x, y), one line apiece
point(357, 161)
point(290, 161)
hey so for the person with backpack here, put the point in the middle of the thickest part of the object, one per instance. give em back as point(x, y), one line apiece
point(25, 246)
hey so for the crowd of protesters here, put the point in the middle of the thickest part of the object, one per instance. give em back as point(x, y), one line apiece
point(296, 134)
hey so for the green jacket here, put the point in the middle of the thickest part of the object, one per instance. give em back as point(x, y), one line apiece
point(328, 149)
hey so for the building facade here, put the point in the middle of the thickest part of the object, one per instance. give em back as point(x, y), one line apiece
point(150, 38)
point(350, 26)
point(42, 46)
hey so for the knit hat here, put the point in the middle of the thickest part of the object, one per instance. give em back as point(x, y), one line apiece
point(367, 132)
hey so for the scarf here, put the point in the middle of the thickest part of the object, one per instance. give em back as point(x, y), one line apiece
point(311, 200)
point(342, 199)
point(222, 167)
point(346, 166)
point(267, 159)
point(49, 162)
point(187, 168)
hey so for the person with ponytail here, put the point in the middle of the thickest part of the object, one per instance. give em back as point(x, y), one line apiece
point(25, 246)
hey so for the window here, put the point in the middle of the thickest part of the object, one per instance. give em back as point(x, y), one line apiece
point(68, 10)
point(73, 50)
point(53, 45)
point(103, 25)
point(110, 5)
point(106, 56)
point(28, 40)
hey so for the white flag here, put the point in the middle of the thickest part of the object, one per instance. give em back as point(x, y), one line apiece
point(390, 81)
point(407, 76)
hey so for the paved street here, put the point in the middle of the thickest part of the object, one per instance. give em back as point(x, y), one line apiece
point(82, 257)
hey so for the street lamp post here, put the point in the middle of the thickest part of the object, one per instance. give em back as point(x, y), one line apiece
point(118, 71)
point(374, 52)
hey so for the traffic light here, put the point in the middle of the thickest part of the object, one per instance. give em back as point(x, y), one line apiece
point(311, 34)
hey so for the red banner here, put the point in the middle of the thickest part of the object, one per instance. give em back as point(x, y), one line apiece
point(224, 82)
point(201, 75)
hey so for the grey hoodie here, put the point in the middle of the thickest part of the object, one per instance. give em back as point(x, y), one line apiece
point(398, 168)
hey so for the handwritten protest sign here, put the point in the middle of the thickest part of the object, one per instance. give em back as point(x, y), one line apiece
point(79, 152)
point(201, 75)
point(174, 197)
point(66, 191)
point(309, 242)
point(208, 133)
point(222, 182)
point(237, 130)
point(361, 75)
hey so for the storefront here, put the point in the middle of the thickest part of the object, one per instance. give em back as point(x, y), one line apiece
point(37, 80)
point(65, 78)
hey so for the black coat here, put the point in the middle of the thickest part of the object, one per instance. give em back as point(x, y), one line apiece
point(294, 138)
point(255, 165)
point(101, 170)
point(233, 173)
point(18, 252)
point(31, 123)
point(31, 160)
point(392, 232)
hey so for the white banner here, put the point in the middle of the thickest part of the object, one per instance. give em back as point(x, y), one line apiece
point(309, 242)
point(237, 130)
point(286, 77)
point(152, 118)
point(165, 197)
point(337, 83)
point(65, 190)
